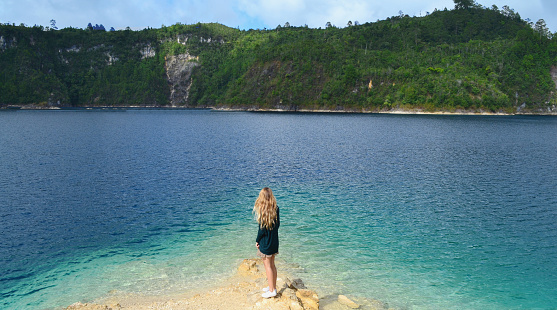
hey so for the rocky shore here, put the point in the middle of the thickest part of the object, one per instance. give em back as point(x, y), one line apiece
point(550, 111)
point(241, 291)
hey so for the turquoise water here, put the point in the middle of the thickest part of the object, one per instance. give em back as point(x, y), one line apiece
point(421, 212)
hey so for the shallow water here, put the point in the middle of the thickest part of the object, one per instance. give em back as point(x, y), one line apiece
point(432, 212)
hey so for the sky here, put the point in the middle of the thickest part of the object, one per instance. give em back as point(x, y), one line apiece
point(242, 14)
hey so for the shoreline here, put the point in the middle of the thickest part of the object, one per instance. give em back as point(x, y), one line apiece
point(394, 112)
point(263, 110)
point(241, 291)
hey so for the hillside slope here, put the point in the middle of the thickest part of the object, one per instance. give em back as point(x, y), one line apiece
point(454, 60)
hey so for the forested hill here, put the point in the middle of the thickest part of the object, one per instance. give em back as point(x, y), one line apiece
point(469, 59)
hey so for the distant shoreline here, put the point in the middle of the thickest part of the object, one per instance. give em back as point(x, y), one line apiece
point(394, 112)
point(96, 108)
point(252, 109)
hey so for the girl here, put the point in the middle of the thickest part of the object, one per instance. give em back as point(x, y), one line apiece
point(267, 242)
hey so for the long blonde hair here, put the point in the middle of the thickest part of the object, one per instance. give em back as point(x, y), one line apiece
point(265, 208)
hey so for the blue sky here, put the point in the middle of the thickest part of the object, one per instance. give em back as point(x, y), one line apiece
point(245, 14)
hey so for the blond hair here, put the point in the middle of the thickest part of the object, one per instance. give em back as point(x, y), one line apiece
point(265, 209)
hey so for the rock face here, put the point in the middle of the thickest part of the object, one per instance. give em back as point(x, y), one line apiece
point(308, 299)
point(6, 43)
point(147, 52)
point(178, 71)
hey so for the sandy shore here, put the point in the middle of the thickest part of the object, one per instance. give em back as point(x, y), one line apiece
point(241, 291)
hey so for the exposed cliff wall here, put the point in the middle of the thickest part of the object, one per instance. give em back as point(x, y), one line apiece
point(6, 43)
point(178, 71)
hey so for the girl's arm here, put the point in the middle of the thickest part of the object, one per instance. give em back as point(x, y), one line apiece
point(277, 223)
point(260, 234)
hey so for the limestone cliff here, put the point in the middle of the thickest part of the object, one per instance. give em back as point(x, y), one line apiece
point(6, 43)
point(178, 71)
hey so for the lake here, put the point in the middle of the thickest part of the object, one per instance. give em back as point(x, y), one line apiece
point(418, 211)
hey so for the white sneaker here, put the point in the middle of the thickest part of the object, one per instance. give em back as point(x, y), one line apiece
point(269, 294)
point(265, 289)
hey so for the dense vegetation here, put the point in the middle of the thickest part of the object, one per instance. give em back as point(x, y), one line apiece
point(470, 58)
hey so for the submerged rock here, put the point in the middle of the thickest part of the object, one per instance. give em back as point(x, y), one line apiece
point(296, 284)
point(347, 302)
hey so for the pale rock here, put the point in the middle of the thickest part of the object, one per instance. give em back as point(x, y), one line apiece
point(248, 266)
point(288, 282)
point(289, 293)
point(295, 305)
point(261, 282)
point(295, 284)
point(87, 306)
point(148, 51)
point(179, 69)
point(6, 43)
point(254, 297)
point(96, 47)
point(373, 304)
point(281, 284)
point(309, 299)
point(182, 39)
point(379, 305)
point(347, 302)
point(110, 58)
point(73, 49)
point(271, 303)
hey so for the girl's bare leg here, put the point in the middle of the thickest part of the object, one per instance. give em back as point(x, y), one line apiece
point(271, 272)
point(274, 271)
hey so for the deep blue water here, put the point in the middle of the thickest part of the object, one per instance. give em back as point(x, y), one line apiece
point(421, 212)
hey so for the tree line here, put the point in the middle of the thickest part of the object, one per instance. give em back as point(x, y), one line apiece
point(470, 58)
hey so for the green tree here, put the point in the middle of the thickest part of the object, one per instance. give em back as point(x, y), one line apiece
point(463, 4)
point(541, 28)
